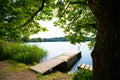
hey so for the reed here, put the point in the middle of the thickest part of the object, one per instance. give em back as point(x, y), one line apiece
point(27, 54)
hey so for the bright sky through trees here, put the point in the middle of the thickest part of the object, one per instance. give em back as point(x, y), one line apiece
point(52, 31)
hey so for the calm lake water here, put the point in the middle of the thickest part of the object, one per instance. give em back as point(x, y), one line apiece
point(57, 48)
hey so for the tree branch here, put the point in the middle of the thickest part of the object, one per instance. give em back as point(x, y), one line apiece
point(65, 10)
point(73, 21)
point(32, 17)
point(85, 3)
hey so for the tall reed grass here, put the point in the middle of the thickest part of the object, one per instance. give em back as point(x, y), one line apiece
point(27, 54)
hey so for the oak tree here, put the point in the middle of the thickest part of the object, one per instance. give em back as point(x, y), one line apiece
point(81, 18)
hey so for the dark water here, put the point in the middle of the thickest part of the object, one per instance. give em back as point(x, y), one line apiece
point(57, 48)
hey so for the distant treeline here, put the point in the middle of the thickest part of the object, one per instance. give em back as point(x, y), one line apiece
point(55, 39)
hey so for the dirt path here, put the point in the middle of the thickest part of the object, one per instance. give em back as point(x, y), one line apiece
point(9, 71)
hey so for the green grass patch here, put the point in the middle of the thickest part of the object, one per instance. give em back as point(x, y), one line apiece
point(56, 75)
point(27, 54)
point(83, 74)
point(16, 66)
point(13, 67)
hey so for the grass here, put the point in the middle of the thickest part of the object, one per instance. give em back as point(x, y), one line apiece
point(27, 54)
point(83, 74)
point(56, 75)
point(17, 66)
point(13, 67)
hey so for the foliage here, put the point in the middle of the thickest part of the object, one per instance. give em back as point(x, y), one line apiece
point(83, 74)
point(18, 17)
point(21, 53)
point(76, 19)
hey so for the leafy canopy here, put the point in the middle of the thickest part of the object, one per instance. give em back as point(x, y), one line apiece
point(76, 19)
point(18, 18)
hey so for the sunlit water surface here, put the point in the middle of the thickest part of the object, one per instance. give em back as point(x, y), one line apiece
point(57, 48)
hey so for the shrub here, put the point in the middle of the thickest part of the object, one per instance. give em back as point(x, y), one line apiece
point(83, 74)
point(27, 54)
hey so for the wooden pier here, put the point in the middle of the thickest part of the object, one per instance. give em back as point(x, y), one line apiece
point(85, 66)
point(61, 62)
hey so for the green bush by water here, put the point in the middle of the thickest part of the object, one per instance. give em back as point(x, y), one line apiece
point(83, 74)
point(21, 53)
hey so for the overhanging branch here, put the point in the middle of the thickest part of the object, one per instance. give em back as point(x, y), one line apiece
point(75, 19)
point(65, 9)
point(32, 17)
point(85, 3)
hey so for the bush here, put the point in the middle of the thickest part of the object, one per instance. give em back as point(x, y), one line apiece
point(21, 53)
point(83, 74)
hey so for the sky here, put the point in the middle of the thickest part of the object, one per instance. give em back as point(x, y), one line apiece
point(52, 30)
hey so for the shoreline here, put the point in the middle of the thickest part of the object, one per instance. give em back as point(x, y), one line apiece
point(19, 71)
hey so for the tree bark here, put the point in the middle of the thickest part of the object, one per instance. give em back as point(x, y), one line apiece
point(106, 53)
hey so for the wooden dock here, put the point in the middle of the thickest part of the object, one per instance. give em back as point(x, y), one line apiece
point(85, 66)
point(65, 61)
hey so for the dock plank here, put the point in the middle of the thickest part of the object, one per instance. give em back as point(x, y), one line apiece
point(50, 64)
point(90, 68)
point(85, 66)
point(44, 67)
point(82, 65)
point(63, 58)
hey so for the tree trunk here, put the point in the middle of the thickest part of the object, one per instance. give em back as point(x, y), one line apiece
point(106, 53)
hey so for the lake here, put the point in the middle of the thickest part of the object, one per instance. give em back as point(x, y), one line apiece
point(57, 48)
